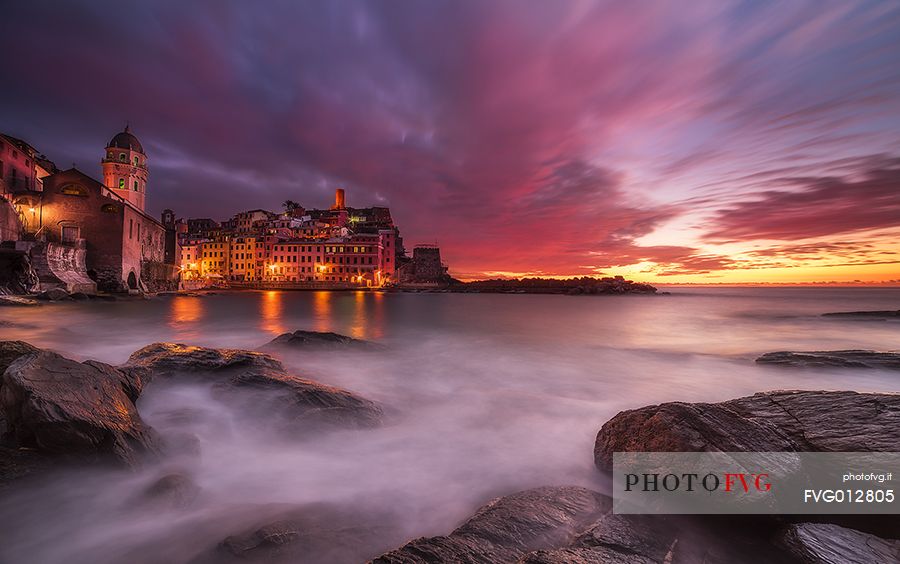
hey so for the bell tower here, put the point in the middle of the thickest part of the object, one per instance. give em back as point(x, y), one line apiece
point(125, 168)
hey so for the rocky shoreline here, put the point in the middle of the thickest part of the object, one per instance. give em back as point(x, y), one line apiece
point(54, 410)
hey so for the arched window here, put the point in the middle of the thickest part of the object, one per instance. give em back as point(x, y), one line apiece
point(73, 190)
point(135, 184)
point(123, 157)
point(109, 208)
point(135, 161)
point(121, 184)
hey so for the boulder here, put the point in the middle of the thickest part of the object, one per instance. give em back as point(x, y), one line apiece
point(171, 359)
point(508, 527)
point(320, 341)
point(53, 295)
point(294, 399)
point(837, 359)
point(86, 409)
point(764, 422)
point(824, 543)
point(10, 351)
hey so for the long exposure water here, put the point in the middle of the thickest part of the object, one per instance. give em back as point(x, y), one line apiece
point(484, 395)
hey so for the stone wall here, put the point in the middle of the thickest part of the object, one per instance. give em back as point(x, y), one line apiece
point(159, 277)
point(16, 273)
point(61, 265)
point(10, 228)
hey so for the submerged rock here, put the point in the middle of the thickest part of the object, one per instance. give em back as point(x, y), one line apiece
point(86, 409)
point(867, 315)
point(295, 399)
point(175, 490)
point(309, 534)
point(764, 422)
point(320, 340)
point(823, 543)
point(839, 359)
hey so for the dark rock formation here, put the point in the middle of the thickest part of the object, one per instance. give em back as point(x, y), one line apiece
point(823, 543)
point(171, 359)
point(838, 359)
point(320, 340)
point(53, 295)
point(571, 286)
point(508, 527)
point(17, 276)
point(865, 315)
point(572, 525)
point(10, 351)
point(296, 399)
point(768, 421)
point(86, 409)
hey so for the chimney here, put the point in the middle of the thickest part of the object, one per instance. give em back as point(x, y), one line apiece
point(339, 199)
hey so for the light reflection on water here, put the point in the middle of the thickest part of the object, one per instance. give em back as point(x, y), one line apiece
point(486, 394)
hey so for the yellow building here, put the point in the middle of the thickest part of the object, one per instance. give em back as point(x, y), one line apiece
point(247, 259)
point(215, 259)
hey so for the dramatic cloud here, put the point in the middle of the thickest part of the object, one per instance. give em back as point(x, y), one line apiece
point(815, 207)
point(539, 137)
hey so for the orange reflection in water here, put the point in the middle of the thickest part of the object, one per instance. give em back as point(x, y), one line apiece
point(271, 309)
point(368, 315)
point(322, 311)
point(186, 314)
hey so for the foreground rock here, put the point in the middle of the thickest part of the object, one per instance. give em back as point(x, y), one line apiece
point(838, 359)
point(85, 409)
point(573, 525)
point(10, 351)
point(821, 543)
point(320, 341)
point(296, 399)
point(764, 422)
point(509, 527)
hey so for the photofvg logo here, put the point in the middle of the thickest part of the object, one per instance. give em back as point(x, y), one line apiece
point(759, 482)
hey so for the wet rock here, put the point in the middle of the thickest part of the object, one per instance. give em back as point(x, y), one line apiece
point(598, 555)
point(320, 340)
point(304, 402)
point(17, 301)
point(53, 295)
point(168, 359)
point(823, 543)
point(85, 409)
point(297, 400)
point(764, 422)
point(79, 296)
point(838, 359)
point(508, 527)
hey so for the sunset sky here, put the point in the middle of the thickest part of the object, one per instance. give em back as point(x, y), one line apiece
point(669, 142)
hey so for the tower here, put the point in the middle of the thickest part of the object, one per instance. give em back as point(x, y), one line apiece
point(125, 168)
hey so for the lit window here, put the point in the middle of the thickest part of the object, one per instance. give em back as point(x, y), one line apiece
point(121, 184)
point(123, 157)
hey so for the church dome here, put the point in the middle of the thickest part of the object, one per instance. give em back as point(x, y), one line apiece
point(125, 140)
